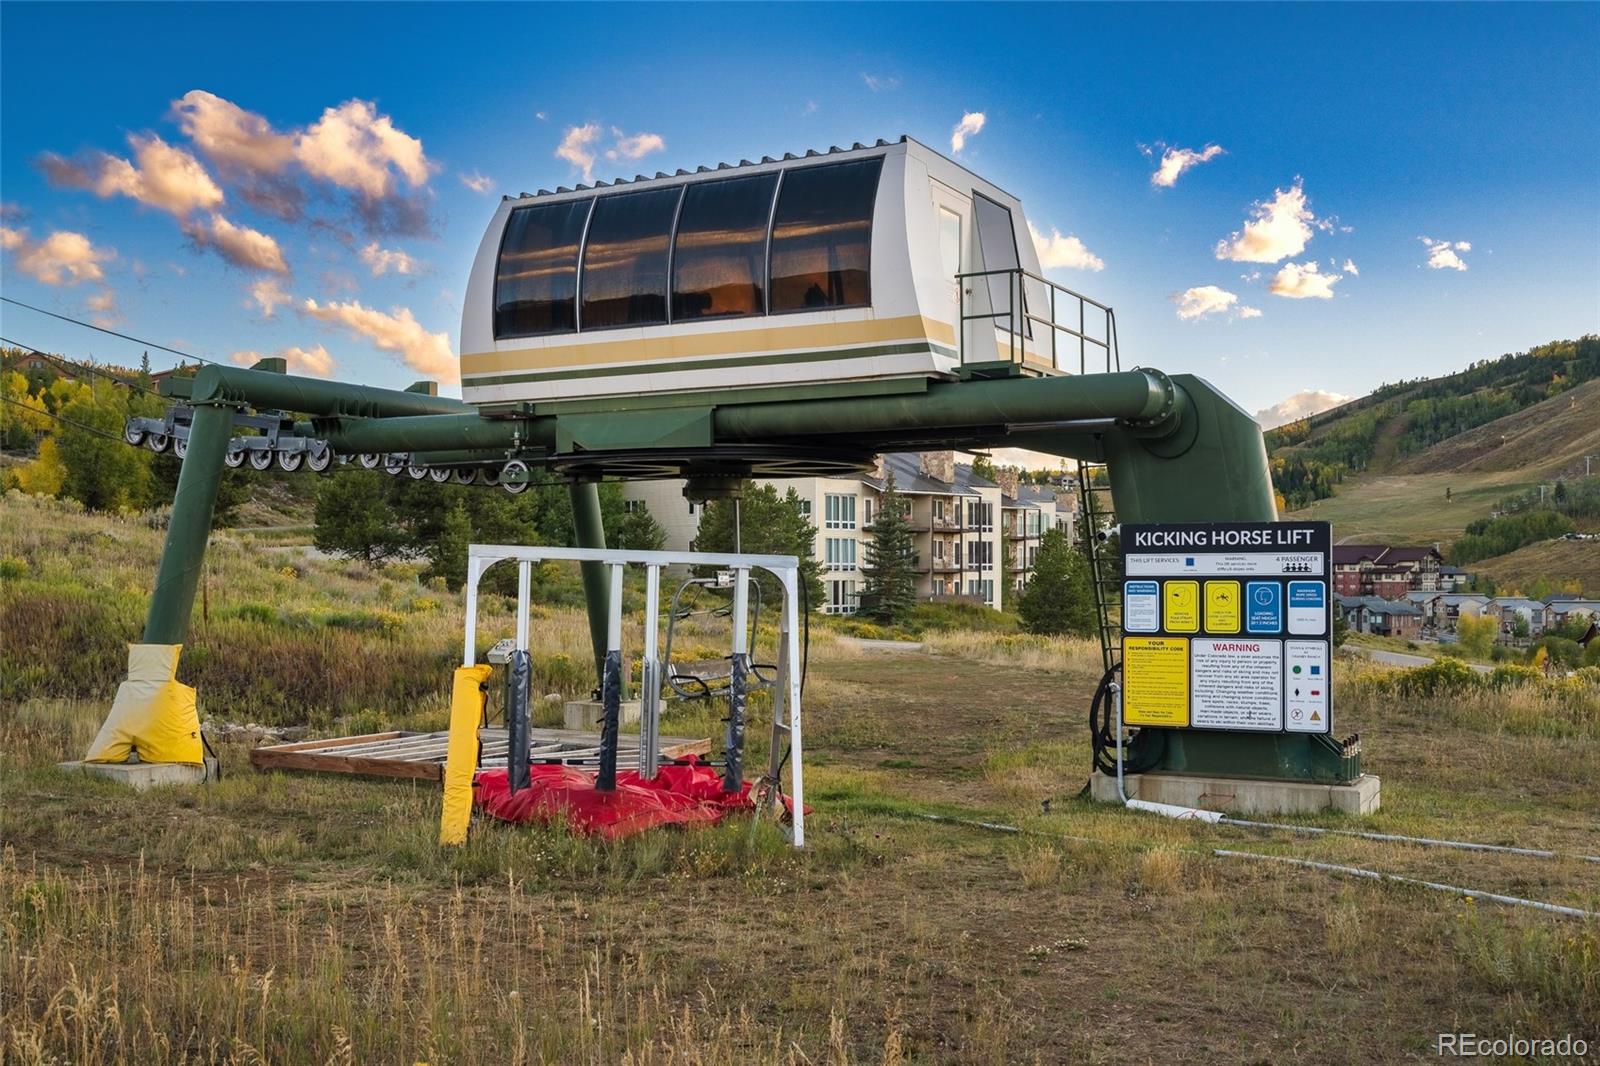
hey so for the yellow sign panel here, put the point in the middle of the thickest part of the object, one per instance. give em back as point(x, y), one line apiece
point(1222, 607)
point(1181, 601)
point(1155, 680)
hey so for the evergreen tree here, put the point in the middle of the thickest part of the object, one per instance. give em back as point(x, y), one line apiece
point(354, 517)
point(887, 569)
point(447, 554)
point(638, 531)
point(770, 525)
point(1059, 599)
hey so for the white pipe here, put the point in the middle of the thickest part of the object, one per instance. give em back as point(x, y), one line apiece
point(1173, 810)
point(1327, 867)
point(1197, 814)
point(1395, 838)
point(1375, 875)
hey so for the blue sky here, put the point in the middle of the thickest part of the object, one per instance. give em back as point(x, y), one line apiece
point(175, 170)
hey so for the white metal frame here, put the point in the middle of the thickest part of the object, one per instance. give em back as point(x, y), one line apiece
point(786, 568)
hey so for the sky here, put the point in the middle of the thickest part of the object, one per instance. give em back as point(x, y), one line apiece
point(1297, 203)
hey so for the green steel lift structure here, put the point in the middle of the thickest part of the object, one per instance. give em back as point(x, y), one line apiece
point(1174, 448)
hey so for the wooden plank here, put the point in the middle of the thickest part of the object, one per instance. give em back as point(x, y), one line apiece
point(672, 748)
point(295, 760)
point(420, 756)
point(335, 742)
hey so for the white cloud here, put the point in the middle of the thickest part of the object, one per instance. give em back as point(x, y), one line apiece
point(268, 295)
point(314, 361)
point(1350, 268)
point(63, 258)
point(239, 245)
point(971, 125)
point(229, 134)
point(1204, 300)
point(1302, 281)
point(382, 260)
point(1442, 255)
point(1278, 229)
point(356, 148)
point(1174, 161)
point(103, 308)
point(880, 83)
point(1057, 251)
point(477, 182)
point(541, 116)
point(634, 146)
point(1303, 404)
point(159, 176)
point(396, 331)
point(577, 148)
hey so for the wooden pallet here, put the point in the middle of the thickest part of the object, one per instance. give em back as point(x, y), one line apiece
point(421, 755)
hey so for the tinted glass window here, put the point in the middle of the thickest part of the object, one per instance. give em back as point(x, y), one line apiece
point(997, 247)
point(625, 259)
point(719, 260)
point(822, 236)
point(537, 276)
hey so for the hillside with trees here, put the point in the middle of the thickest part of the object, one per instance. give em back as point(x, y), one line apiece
point(1428, 424)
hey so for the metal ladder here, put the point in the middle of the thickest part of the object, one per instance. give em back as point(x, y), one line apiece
point(1095, 506)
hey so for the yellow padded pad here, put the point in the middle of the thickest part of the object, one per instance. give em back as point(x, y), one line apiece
point(152, 713)
point(467, 701)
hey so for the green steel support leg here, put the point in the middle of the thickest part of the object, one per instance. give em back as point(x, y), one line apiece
point(590, 530)
point(190, 526)
point(1215, 472)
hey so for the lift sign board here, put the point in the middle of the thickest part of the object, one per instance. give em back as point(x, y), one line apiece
point(1228, 626)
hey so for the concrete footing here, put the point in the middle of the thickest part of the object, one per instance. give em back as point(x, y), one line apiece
point(1242, 795)
point(587, 714)
point(140, 776)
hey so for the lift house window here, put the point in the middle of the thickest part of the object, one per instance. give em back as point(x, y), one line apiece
point(696, 250)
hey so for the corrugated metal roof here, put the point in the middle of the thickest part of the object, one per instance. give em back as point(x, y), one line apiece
point(661, 175)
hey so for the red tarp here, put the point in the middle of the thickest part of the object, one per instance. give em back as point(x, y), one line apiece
point(687, 793)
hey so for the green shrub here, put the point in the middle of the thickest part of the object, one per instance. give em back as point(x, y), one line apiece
point(1504, 677)
point(12, 568)
point(1440, 677)
point(959, 615)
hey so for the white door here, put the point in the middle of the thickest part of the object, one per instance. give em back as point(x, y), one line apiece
point(951, 210)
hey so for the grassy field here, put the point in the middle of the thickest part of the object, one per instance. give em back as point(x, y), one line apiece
point(1564, 560)
point(1411, 508)
point(304, 919)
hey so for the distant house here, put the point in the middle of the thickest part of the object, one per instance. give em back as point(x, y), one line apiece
point(1443, 610)
point(1452, 578)
point(1534, 612)
point(1384, 571)
point(1565, 606)
point(1385, 618)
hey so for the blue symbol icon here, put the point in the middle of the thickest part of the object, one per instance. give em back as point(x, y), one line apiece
point(1316, 670)
point(1189, 561)
point(1266, 607)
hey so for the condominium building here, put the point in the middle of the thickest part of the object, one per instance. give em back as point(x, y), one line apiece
point(958, 525)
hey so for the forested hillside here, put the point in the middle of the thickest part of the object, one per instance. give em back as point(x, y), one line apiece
point(1382, 430)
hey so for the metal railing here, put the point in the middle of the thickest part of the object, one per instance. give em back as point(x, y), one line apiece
point(1016, 322)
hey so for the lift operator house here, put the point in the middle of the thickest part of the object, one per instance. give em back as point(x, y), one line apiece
point(1228, 626)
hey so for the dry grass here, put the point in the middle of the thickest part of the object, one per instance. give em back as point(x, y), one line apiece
point(281, 918)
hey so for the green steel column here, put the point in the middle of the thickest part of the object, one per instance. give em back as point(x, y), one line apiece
point(589, 527)
point(189, 527)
